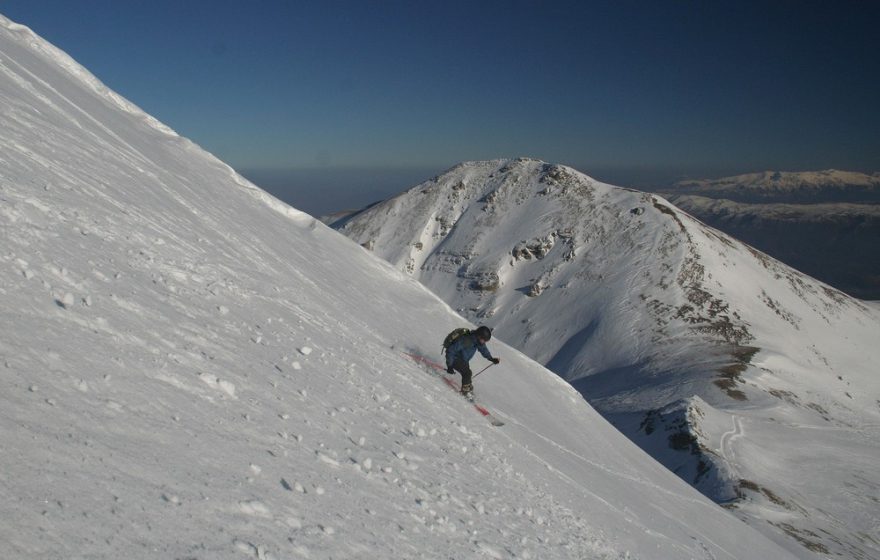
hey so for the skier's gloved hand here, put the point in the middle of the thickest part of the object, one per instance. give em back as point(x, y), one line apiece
point(450, 371)
point(496, 361)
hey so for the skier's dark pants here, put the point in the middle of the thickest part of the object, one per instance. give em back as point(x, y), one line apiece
point(464, 369)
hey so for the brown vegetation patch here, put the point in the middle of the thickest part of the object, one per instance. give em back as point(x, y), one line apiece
point(669, 212)
point(779, 310)
point(765, 260)
point(836, 295)
point(818, 408)
point(728, 387)
point(787, 396)
point(709, 313)
point(803, 536)
point(485, 282)
point(731, 374)
point(744, 354)
point(744, 484)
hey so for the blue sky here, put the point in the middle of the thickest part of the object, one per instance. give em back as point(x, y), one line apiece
point(368, 97)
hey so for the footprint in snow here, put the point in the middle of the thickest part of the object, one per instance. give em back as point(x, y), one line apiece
point(295, 487)
point(255, 508)
point(253, 550)
point(217, 383)
point(65, 301)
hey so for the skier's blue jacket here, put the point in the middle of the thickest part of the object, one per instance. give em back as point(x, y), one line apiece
point(464, 348)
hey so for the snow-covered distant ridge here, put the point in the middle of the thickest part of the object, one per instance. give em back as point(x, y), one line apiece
point(785, 186)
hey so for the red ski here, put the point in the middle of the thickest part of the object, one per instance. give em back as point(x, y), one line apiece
point(438, 370)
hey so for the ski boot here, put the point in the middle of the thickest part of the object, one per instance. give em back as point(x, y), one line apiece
point(467, 391)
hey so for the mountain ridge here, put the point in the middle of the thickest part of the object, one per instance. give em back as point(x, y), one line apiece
point(642, 308)
point(822, 223)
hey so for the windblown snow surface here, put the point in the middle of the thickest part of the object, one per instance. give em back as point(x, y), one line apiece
point(753, 382)
point(192, 369)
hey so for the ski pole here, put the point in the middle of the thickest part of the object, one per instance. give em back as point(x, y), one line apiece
point(484, 369)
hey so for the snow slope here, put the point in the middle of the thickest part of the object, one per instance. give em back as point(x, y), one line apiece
point(836, 243)
point(753, 382)
point(192, 369)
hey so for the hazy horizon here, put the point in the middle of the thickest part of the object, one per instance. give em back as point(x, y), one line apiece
point(322, 190)
point(362, 100)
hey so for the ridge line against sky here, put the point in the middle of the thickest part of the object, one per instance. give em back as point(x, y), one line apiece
point(369, 98)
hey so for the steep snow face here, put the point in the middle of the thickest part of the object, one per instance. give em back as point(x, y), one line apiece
point(729, 367)
point(191, 369)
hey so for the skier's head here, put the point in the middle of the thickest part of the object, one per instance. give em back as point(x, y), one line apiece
point(483, 334)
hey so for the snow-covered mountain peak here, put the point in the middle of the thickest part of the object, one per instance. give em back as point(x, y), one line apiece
point(645, 309)
point(505, 227)
point(191, 369)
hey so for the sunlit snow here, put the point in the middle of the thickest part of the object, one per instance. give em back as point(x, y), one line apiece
point(191, 369)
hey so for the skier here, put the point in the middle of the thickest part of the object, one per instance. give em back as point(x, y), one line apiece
point(460, 352)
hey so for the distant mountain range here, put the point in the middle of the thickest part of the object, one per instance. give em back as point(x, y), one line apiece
point(742, 375)
point(788, 187)
point(824, 223)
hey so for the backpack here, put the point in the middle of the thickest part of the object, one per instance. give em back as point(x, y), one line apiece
point(453, 336)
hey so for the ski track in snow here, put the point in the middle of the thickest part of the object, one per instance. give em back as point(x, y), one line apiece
point(728, 438)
